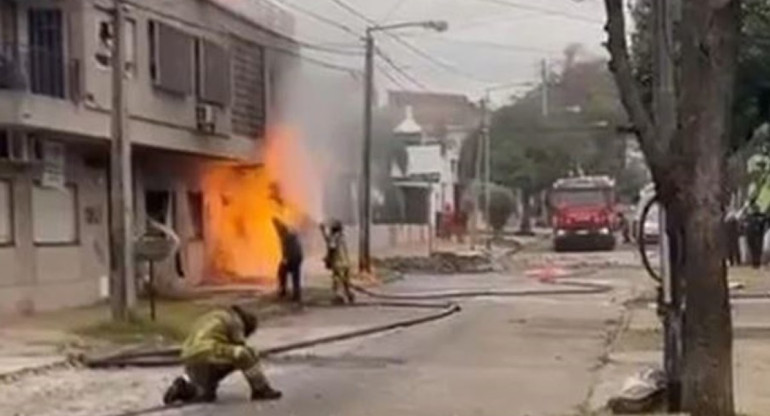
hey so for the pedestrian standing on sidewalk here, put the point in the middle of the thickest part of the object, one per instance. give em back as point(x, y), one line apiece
point(214, 349)
point(291, 261)
point(338, 261)
point(733, 232)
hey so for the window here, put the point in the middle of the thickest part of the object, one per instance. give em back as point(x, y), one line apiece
point(54, 215)
point(159, 206)
point(6, 213)
point(212, 73)
point(171, 58)
point(195, 202)
point(248, 112)
point(46, 52)
point(105, 35)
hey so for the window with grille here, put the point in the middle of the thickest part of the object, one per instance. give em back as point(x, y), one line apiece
point(46, 52)
point(248, 111)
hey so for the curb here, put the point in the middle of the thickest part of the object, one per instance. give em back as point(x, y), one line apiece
point(14, 376)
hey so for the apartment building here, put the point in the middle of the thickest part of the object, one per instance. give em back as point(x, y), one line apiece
point(202, 81)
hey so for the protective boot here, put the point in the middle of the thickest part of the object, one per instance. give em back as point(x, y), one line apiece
point(180, 391)
point(260, 388)
point(351, 298)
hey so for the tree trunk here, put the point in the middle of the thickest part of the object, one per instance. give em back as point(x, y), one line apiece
point(689, 172)
point(525, 224)
point(709, 45)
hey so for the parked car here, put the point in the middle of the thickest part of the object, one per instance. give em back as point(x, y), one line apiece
point(650, 230)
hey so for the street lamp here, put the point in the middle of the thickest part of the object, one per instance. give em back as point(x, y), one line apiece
point(365, 202)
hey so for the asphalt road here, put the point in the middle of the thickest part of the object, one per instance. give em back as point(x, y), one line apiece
point(500, 356)
point(533, 356)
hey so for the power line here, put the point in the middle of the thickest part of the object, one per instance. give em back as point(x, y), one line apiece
point(505, 46)
point(414, 49)
point(541, 10)
point(352, 10)
point(328, 65)
point(400, 70)
point(330, 49)
point(321, 18)
point(224, 32)
point(393, 9)
point(392, 78)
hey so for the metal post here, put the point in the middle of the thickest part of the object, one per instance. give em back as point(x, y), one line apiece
point(664, 109)
point(544, 79)
point(476, 182)
point(122, 294)
point(365, 220)
point(151, 289)
point(487, 171)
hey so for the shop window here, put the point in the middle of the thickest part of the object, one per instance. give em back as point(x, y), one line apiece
point(54, 215)
point(195, 202)
point(6, 213)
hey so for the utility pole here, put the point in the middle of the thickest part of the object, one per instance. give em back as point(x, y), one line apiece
point(365, 216)
point(365, 197)
point(487, 169)
point(665, 114)
point(544, 79)
point(476, 183)
point(121, 208)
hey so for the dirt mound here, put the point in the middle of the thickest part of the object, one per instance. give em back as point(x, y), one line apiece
point(439, 262)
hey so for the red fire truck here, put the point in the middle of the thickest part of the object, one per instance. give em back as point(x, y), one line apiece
point(583, 213)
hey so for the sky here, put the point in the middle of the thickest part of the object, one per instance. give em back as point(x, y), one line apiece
point(489, 43)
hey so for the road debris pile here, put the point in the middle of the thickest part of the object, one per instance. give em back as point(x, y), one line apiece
point(439, 262)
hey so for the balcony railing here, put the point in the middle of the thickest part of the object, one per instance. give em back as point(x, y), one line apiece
point(36, 70)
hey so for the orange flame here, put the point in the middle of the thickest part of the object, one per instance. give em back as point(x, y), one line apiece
point(244, 201)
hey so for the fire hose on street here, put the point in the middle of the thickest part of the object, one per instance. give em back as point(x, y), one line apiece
point(170, 356)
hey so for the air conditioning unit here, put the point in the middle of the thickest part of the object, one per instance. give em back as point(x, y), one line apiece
point(206, 118)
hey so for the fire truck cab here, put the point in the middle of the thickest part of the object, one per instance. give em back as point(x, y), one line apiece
point(583, 213)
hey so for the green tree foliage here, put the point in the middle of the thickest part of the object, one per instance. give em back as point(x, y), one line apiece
point(752, 88)
point(501, 207)
point(530, 150)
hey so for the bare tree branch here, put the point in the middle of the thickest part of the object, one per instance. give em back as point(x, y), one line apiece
point(620, 65)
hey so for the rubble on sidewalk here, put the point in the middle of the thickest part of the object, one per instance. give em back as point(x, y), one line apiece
point(439, 262)
point(641, 393)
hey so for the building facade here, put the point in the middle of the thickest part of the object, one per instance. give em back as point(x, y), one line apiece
point(434, 127)
point(202, 78)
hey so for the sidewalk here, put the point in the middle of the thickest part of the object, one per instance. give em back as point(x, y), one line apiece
point(639, 346)
point(29, 345)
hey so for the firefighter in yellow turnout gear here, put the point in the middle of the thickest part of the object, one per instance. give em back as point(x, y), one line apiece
point(338, 261)
point(214, 349)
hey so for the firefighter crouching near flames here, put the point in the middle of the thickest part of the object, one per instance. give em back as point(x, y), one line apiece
point(214, 349)
point(338, 261)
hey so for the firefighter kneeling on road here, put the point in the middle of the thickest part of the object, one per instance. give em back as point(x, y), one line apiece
point(337, 261)
point(215, 349)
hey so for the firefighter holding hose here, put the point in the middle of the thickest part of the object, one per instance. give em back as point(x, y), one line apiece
point(215, 349)
point(338, 261)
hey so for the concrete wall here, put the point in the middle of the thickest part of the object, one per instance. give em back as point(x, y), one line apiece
point(39, 277)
